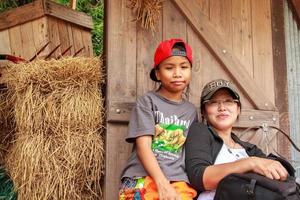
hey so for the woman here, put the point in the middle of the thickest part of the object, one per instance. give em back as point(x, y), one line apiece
point(213, 151)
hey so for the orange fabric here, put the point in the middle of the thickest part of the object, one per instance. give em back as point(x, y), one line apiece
point(149, 191)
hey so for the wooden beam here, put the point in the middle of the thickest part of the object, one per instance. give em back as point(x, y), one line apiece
point(225, 56)
point(119, 111)
point(21, 14)
point(67, 14)
point(73, 4)
point(280, 73)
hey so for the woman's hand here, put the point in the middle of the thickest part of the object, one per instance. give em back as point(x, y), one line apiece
point(269, 168)
point(166, 191)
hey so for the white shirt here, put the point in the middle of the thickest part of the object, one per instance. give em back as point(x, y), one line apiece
point(226, 155)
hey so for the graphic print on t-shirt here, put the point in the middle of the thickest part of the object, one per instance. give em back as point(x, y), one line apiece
point(168, 137)
point(169, 134)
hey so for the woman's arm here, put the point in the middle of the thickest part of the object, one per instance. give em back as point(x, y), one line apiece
point(266, 167)
point(148, 160)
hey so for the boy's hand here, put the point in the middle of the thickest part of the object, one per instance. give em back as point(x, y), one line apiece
point(166, 191)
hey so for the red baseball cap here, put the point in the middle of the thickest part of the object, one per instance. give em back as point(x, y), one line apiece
point(166, 49)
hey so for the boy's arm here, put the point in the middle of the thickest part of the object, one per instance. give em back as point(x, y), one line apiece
point(148, 160)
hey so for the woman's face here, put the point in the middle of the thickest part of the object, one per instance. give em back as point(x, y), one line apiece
point(221, 111)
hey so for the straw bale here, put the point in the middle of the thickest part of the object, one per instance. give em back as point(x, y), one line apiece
point(58, 113)
point(147, 12)
point(6, 124)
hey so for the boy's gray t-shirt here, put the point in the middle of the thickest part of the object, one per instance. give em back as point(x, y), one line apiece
point(168, 123)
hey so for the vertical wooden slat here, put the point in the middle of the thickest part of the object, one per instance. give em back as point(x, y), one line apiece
point(16, 41)
point(64, 36)
point(220, 17)
point(41, 36)
point(28, 46)
point(174, 24)
point(5, 42)
point(70, 35)
point(204, 6)
point(146, 45)
point(241, 33)
point(4, 47)
point(198, 64)
point(262, 46)
point(54, 36)
point(77, 40)
point(87, 42)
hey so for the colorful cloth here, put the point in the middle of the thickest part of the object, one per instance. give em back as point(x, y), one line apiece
point(145, 189)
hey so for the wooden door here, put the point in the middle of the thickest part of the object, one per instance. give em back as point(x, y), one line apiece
point(231, 39)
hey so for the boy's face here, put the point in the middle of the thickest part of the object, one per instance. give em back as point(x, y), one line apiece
point(174, 73)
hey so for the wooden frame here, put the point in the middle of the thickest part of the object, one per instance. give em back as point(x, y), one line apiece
point(40, 8)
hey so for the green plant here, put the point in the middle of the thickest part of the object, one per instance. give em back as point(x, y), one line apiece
point(8, 4)
point(94, 8)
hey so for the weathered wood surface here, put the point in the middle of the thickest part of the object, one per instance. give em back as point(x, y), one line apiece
point(40, 8)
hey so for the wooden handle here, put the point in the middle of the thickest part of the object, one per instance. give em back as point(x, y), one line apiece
point(73, 4)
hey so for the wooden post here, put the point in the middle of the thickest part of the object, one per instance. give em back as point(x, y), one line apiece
point(73, 4)
point(280, 74)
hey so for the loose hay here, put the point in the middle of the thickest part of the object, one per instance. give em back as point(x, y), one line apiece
point(147, 12)
point(58, 151)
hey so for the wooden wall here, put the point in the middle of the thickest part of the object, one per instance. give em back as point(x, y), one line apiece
point(231, 39)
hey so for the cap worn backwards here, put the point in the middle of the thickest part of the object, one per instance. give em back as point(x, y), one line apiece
point(167, 48)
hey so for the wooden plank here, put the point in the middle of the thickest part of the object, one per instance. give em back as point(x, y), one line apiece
point(174, 24)
point(220, 17)
point(119, 111)
point(16, 41)
point(64, 36)
point(77, 40)
point(146, 45)
point(280, 74)
point(204, 6)
point(21, 14)
point(87, 42)
point(5, 42)
point(242, 33)
point(262, 47)
point(54, 36)
point(27, 41)
point(116, 158)
point(231, 64)
point(40, 36)
point(121, 52)
point(67, 14)
point(70, 35)
point(199, 62)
